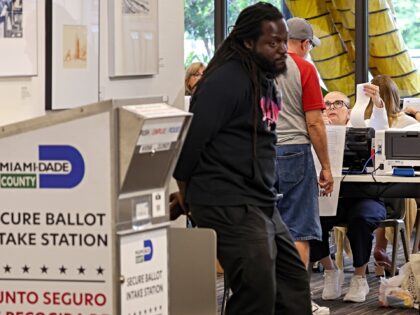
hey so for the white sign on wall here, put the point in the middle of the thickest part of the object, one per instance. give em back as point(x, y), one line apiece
point(144, 266)
point(55, 220)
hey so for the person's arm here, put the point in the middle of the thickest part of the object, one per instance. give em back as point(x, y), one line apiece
point(177, 204)
point(313, 104)
point(413, 112)
point(379, 119)
point(182, 191)
point(318, 136)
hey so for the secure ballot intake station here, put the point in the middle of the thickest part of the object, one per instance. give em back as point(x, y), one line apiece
point(84, 211)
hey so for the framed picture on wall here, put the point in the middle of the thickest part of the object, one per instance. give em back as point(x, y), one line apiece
point(133, 38)
point(18, 38)
point(72, 53)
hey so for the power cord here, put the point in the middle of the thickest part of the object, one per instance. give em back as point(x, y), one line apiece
point(364, 167)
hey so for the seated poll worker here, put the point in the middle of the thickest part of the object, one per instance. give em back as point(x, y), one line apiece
point(390, 96)
point(361, 215)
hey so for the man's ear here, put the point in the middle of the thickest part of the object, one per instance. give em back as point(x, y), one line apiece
point(249, 44)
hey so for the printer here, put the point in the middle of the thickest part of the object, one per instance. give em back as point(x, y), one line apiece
point(358, 150)
point(396, 149)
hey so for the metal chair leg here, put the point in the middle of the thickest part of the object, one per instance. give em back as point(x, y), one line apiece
point(417, 236)
point(225, 295)
point(394, 250)
point(404, 242)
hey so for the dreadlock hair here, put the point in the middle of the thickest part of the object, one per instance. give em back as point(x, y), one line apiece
point(247, 28)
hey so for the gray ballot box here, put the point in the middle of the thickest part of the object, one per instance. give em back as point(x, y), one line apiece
point(84, 211)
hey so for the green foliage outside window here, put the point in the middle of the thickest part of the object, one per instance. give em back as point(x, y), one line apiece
point(199, 23)
point(236, 6)
point(408, 21)
point(194, 57)
point(199, 26)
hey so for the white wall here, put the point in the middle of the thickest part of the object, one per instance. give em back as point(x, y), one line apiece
point(24, 98)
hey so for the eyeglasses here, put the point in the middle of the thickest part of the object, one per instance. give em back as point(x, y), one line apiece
point(198, 74)
point(311, 44)
point(336, 104)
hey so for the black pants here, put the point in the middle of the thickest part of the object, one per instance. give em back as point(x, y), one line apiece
point(260, 260)
point(362, 217)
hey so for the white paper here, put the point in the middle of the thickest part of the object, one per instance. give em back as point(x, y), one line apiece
point(155, 110)
point(412, 102)
point(357, 115)
point(328, 203)
point(187, 102)
point(336, 138)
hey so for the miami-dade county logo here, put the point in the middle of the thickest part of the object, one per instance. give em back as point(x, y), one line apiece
point(146, 253)
point(59, 166)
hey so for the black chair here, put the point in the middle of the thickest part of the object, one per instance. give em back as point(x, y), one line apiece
point(396, 207)
point(417, 237)
point(397, 225)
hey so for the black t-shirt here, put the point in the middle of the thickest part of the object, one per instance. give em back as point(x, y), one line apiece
point(220, 161)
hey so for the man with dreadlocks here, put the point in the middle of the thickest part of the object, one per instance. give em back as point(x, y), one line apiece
point(226, 168)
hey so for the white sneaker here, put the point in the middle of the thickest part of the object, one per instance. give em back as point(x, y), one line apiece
point(319, 310)
point(333, 281)
point(359, 288)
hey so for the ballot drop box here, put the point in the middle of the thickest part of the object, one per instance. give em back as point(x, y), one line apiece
point(84, 210)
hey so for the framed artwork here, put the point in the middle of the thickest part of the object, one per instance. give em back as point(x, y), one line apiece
point(18, 38)
point(133, 38)
point(72, 54)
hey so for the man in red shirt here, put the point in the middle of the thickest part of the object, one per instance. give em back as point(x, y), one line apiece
point(300, 124)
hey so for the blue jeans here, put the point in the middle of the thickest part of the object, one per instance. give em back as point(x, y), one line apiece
point(297, 181)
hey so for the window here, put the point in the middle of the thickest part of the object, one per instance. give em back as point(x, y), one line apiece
point(408, 21)
point(236, 6)
point(199, 26)
point(199, 31)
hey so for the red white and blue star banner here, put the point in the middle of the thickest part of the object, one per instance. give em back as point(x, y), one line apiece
point(55, 219)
